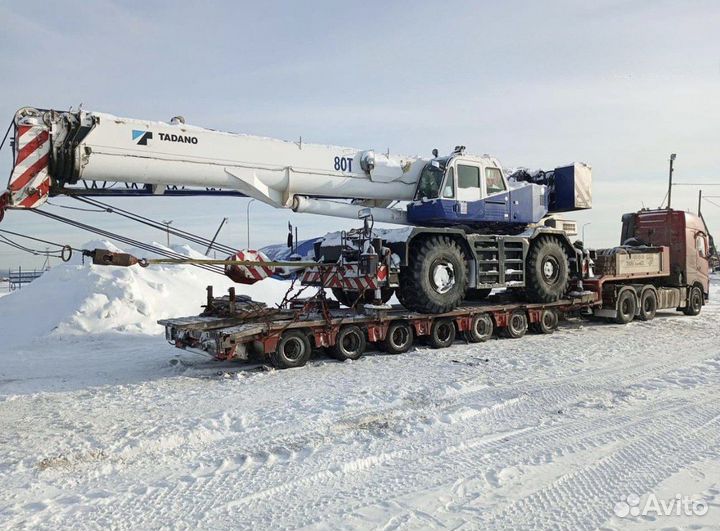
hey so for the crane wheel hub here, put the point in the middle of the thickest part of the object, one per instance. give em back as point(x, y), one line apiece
point(443, 276)
point(550, 269)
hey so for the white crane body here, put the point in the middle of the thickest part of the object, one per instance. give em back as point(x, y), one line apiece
point(126, 150)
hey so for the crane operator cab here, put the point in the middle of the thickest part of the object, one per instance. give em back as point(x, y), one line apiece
point(469, 190)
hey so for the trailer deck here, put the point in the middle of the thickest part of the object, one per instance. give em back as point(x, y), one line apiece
point(258, 330)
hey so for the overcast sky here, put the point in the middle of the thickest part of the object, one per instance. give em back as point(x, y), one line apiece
point(618, 84)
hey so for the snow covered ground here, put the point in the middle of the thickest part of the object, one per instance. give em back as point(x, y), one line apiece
point(104, 425)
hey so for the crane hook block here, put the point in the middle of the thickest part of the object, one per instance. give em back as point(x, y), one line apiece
point(105, 257)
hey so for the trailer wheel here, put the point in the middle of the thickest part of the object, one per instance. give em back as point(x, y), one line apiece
point(442, 333)
point(436, 279)
point(695, 301)
point(517, 325)
point(648, 305)
point(548, 322)
point(481, 329)
point(626, 307)
point(547, 270)
point(399, 338)
point(293, 350)
point(349, 344)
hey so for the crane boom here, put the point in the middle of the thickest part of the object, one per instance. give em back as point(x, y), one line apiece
point(61, 148)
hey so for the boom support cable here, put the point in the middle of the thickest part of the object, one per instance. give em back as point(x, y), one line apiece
point(129, 241)
point(189, 236)
point(63, 251)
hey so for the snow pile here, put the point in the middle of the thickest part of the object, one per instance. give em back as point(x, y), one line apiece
point(73, 298)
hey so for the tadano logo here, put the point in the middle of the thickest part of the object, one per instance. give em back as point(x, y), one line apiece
point(141, 137)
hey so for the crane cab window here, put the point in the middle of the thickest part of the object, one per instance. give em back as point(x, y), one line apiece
point(468, 183)
point(493, 181)
point(449, 188)
point(429, 183)
point(468, 176)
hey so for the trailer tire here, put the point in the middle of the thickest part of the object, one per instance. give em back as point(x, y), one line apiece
point(547, 266)
point(626, 307)
point(481, 329)
point(398, 339)
point(648, 305)
point(517, 325)
point(293, 350)
point(442, 333)
point(435, 281)
point(548, 322)
point(694, 302)
point(350, 343)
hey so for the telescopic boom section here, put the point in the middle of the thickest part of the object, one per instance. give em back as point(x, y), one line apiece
point(54, 149)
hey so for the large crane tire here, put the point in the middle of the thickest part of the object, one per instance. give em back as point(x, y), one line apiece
point(435, 281)
point(547, 273)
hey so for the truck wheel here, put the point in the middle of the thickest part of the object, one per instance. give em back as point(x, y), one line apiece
point(293, 350)
point(481, 329)
point(548, 322)
point(436, 279)
point(648, 305)
point(442, 333)
point(349, 344)
point(695, 301)
point(547, 270)
point(517, 325)
point(475, 294)
point(399, 338)
point(626, 307)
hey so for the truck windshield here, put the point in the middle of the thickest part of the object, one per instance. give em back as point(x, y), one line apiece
point(431, 180)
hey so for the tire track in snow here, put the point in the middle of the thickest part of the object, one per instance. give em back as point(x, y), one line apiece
point(550, 397)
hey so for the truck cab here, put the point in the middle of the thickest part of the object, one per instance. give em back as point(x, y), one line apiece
point(684, 233)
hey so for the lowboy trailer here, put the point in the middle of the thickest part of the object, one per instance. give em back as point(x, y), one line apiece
point(664, 265)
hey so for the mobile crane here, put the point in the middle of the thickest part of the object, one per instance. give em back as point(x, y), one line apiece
point(470, 227)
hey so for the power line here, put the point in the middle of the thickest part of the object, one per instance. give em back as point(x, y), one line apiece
point(696, 184)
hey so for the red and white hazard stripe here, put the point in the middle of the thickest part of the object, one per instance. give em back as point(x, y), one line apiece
point(345, 277)
point(29, 184)
point(249, 274)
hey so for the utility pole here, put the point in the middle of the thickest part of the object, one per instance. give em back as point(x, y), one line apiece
point(167, 230)
point(669, 194)
point(248, 222)
point(212, 242)
point(700, 203)
point(583, 230)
